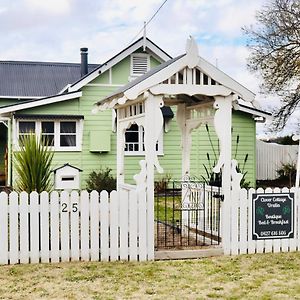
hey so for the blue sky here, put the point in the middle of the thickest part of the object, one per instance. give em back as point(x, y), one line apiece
point(41, 30)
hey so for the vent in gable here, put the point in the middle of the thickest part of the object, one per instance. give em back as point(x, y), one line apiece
point(139, 64)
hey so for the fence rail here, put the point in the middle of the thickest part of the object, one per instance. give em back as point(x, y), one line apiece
point(71, 227)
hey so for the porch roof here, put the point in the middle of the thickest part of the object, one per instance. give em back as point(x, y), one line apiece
point(154, 80)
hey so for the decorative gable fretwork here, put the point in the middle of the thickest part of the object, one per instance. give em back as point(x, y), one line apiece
point(133, 110)
point(190, 77)
point(205, 114)
point(190, 81)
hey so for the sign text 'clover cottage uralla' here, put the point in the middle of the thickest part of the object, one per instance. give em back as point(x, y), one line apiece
point(273, 216)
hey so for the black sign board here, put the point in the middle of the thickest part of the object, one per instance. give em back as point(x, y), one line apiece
point(273, 216)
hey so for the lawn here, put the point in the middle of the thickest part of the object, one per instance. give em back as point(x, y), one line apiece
point(260, 276)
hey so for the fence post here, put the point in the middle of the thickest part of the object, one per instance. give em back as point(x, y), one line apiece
point(3, 228)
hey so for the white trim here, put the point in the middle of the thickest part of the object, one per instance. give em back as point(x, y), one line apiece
point(22, 97)
point(110, 76)
point(40, 102)
point(189, 89)
point(56, 133)
point(224, 79)
point(106, 66)
point(64, 89)
point(252, 111)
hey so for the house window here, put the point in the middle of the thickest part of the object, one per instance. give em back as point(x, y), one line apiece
point(67, 134)
point(61, 135)
point(48, 133)
point(134, 141)
point(26, 128)
point(140, 64)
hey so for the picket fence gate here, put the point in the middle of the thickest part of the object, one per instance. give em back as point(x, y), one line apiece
point(241, 218)
point(73, 226)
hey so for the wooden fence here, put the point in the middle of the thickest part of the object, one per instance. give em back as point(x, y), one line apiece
point(270, 156)
point(71, 227)
point(241, 226)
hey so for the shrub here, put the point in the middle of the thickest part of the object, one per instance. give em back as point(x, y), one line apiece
point(162, 184)
point(33, 165)
point(287, 171)
point(101, 180)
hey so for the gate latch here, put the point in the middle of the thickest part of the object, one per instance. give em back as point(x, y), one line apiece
point(221, 197)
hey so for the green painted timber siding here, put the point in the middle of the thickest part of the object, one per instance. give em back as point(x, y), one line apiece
point(102, 122)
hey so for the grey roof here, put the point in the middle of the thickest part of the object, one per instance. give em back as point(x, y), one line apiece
point(139, 79)
point(37, 79)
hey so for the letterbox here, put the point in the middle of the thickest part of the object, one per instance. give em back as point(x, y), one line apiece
point(67, 177)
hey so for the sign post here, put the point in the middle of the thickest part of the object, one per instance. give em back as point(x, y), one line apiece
point(273, 216)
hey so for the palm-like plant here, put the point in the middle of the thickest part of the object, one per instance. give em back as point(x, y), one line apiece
point(33, 165)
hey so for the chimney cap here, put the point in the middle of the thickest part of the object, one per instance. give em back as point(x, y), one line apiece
point(84, 49)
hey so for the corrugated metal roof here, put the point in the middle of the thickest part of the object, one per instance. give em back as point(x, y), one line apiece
point(37, 79)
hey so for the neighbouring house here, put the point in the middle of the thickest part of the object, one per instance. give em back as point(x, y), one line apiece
point(56, 100)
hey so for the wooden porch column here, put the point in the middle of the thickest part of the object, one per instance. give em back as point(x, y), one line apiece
point(120, 151)
point(182, 115)
point(153, 128)
point(223, 123)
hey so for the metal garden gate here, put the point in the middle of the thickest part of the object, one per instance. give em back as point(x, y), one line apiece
point(187, 214)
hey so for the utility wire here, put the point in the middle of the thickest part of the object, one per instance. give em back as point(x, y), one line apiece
point(165, 1)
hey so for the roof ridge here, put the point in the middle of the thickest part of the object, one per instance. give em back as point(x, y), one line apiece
point(19, 62)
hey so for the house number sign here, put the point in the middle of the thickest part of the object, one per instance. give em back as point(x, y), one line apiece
point(273, 216)
point(65, 208)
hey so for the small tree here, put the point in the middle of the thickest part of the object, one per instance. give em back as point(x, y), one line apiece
point(274, 44)
point(33, 165)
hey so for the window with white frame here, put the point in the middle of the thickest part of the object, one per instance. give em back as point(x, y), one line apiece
point(26, 128)
point(140, 64)
point(62, 135)
point(134, 141)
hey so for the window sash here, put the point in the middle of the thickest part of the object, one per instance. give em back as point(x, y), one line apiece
point(138, 146)
point(71, 139)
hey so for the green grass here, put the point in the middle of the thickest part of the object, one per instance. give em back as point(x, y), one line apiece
point(164, 210)
point(258, 276)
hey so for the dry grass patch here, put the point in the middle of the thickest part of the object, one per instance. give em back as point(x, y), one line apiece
point(263, 276)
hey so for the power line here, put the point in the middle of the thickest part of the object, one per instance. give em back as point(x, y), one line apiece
point(165, 1)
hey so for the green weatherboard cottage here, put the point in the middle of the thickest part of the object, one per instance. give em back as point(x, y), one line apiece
point(56, 100)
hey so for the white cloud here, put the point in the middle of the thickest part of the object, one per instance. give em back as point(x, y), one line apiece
point(3, 10)
point(51, 7)
point(232, 17)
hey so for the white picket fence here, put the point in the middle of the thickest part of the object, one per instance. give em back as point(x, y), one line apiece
point(240, 219)
point(71, 227)
point(271, 156)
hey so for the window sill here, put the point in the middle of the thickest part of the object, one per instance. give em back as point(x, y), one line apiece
point(140, 154)
point(66, 149)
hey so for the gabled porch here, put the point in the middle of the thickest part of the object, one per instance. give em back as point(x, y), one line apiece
point(203, 95)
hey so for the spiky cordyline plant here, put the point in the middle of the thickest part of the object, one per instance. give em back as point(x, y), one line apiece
point(33, 165)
